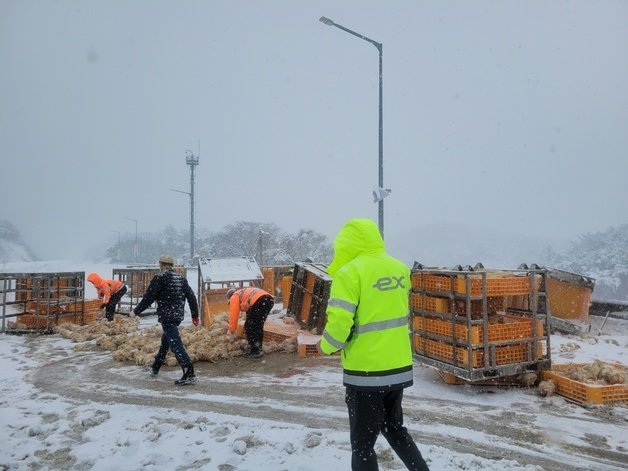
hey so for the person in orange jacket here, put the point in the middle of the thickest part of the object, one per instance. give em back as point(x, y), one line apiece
point(257, 304)
point(111, 292)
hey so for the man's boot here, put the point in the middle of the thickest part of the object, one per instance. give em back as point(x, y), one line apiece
point(188, 376)
point(154, 368)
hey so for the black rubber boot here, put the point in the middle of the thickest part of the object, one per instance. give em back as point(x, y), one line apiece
point(154, 368)
point(188, 376)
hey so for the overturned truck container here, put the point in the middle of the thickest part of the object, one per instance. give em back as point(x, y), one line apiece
point(309, 294)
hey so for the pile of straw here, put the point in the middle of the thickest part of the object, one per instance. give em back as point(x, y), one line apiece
point(128, 343)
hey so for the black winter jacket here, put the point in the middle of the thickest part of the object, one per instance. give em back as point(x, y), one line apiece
point(170, 290)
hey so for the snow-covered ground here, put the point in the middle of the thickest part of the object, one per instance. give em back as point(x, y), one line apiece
point(67, 409)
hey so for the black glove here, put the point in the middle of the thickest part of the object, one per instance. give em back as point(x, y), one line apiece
point(103, 305)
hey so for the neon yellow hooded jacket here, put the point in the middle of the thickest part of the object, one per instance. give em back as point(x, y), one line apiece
point(367, 312)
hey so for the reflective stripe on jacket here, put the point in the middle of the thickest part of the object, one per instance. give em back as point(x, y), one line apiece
point(241, 301)
point(367, 313)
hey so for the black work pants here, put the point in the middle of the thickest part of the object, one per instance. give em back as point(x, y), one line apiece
point(114, 299)
point(254, 323)
point(172, 340)
point(370, 413)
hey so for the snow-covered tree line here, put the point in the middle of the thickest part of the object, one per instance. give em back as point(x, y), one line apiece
point(601, 255)
point(12, 247)
point(265, 241)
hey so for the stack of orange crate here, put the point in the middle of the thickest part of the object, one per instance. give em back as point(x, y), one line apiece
point(42, 314)
point(460, 343)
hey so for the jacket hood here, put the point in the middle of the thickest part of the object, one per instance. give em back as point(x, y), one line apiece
point(94, 278)
point(357, 237)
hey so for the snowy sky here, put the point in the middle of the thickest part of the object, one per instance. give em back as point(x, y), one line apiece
point(505, 114)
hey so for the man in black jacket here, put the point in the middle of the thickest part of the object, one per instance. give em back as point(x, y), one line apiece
point(170, 290)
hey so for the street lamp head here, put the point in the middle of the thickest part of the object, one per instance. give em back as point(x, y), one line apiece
point(181, 191)
point(326, 20)
point(381, 193)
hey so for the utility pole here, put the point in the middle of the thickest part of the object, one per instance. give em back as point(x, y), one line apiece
point(260, 247)
point(192, 161)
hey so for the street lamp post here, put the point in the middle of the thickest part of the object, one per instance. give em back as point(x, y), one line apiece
point(135, 251)
point(382, 193)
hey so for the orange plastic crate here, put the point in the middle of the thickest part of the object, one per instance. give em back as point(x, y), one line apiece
point(510, 328)
point(307, 345)
point(569, 300)
point(497, 283)
point(475, 357)
point(584, 393)
point(286, 285)
point(268, 283)
point(214, 302)
point(278, 331)
point(429, 303)
point(304, 314)
point(308, 351)
point(86, 305)
point(275, 330)
point(441, 305)
point(93, 315)
point(61, 306)
point(34, 321)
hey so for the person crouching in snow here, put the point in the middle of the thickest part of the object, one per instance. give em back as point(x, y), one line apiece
point(110, 291)
point(170, 290)
point(257, 304)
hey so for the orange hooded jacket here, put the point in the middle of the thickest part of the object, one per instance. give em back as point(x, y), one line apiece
point(242, 300)
point(104, 287)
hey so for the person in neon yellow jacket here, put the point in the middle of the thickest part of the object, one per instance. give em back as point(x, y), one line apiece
point(367, 321)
